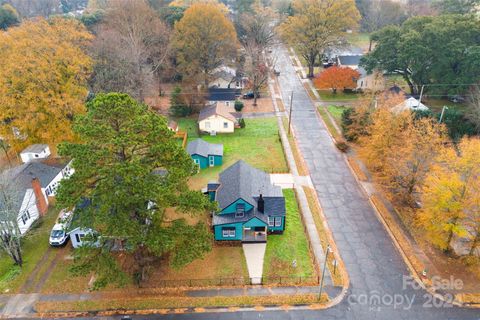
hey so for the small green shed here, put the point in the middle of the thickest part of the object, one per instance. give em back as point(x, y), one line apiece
point(205, 154)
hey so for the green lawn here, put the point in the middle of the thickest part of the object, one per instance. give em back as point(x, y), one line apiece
point(336, 112)
point(436, 105)
point(258, 144)
point(189, 125)
point(361, 40)
point(34, 246)
point(328, 95)
point(292, 245)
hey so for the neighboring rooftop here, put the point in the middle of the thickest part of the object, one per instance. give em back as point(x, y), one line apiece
point(222, 94)
point(350, 60)
point(35, 148)
point(204, 149)
point(216, 109)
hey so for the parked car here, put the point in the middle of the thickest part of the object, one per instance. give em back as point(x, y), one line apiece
point(456, 99)
point(250, 95)
point(59, 235)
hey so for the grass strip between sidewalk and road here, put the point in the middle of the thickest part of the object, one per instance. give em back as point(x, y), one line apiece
point(143, 303)
point(301, 166)
point(333, 131)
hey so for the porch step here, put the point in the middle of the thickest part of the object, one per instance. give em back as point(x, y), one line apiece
point(254, 255)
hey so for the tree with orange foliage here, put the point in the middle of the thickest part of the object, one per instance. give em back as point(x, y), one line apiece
point(44, 70)
point(337, 78)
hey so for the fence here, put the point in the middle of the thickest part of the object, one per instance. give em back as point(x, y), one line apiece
point(240, 281)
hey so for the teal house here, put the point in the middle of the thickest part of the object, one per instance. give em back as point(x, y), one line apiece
point(250, 206)
point(205, 154)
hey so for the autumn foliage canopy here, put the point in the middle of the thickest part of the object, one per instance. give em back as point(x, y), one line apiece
point(337, 78)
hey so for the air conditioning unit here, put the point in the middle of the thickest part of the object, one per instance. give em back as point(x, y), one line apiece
point(213, 133)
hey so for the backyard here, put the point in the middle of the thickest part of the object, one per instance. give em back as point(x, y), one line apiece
point(258, 144)
point(287, 255)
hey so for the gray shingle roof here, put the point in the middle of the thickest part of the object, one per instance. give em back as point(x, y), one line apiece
point(241, 180)
point(204, 149)
point(35, 148)
point(352, 60)
point(222, 94)
point(20, 177)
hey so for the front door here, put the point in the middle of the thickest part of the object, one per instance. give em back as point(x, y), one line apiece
point(211, 161)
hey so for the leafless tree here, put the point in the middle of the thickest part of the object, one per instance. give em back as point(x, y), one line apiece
point(257, 36)
point(131, 47)
point(34, 8)
point(10, 237)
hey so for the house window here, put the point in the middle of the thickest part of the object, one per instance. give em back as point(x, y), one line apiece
point(225, 125)
point(196, 161)
point(25, 217)
point(270, 221)
point(211, 161)
point(238, 84)
point(228, 232)
point(207, 125)
point(278, 221)
point(79, 237)
point(240, 210)
point(36, 155)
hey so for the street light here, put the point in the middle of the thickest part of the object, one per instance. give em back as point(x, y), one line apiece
point(323, 272)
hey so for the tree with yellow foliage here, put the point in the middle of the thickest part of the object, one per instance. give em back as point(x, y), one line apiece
point(413, 155)
point(451, 196)
point(205, 39)
point(382, 133)
point(189, 3)
point(317, 25)
point(400, 148)
point(43, 83)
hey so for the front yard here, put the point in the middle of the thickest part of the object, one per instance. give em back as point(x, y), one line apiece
point(287, 255)
point(258, 144)
point(34, 247)
point(328, 95)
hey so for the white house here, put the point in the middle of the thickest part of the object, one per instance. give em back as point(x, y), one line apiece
point(34, 182)
point(35, 152)
point(227, 78)
point(217, 118)
point(410, 104)
point(366, 82)
point(77, 237)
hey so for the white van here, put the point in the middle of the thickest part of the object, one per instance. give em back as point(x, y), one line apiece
point(59, 235)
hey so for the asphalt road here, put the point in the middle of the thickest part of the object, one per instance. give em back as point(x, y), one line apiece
point(380, 287)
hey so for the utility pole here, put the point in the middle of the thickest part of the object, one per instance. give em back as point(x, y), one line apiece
point(323, 273)
point(290, 113)
point(442, 114)
point(421, 95)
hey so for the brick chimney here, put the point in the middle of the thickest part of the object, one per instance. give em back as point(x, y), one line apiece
point(41, 202)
